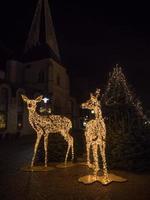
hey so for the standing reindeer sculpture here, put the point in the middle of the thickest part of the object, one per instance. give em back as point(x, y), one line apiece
point(95, 135)
point(45, 125)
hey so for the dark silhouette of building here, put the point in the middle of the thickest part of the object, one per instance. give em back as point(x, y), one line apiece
point(38, 70)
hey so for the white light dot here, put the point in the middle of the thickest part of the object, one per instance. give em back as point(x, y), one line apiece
point(45, 99)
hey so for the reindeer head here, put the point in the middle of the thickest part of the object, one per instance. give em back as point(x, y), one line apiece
point(32, 103)
point(93, 102)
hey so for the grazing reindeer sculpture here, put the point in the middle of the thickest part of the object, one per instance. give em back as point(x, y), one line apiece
point(45, 125)
point(95, 134)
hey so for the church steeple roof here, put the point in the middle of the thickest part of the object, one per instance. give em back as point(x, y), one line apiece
point(42, 31)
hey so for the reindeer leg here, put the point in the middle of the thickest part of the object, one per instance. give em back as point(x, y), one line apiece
point(68, 149)
point(103, 155)
point(45, 148)
point(69, 140)
point(35, 148)
point(95, 157)
point(88, 145)
point(72, 149)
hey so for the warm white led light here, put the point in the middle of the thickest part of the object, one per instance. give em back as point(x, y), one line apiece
point(84, 123)
point(45, 125)
point(92, 111)
point(117, 78)
point(95, 134)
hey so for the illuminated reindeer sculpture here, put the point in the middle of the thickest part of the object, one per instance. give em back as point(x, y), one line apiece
point(45, 125)
point(95, 134)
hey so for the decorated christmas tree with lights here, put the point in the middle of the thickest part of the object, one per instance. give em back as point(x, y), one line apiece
point(127, 135)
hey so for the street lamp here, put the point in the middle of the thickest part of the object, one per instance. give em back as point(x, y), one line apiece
point(45, 99)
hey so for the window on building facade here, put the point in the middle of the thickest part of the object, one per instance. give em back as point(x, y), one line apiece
point(3, 120)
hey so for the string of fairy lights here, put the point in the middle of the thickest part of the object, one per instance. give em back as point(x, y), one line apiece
point(118, 78)
point(95, 134)
point(45, 125)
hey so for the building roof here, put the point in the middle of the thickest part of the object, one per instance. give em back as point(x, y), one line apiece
point(39, 52)
point(41, 42)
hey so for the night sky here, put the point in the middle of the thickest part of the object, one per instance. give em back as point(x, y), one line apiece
point(92, 37)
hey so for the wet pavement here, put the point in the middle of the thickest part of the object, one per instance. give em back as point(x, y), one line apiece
point(59, 184)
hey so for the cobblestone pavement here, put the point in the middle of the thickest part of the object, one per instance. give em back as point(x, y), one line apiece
point(59, 184)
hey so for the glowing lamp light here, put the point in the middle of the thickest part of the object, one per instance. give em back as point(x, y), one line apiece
point(147, 122)
point(84, 123)
point(92, 111)
point(19, 124)
point(45, 99)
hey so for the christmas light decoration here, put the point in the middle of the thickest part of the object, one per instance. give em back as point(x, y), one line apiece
point(125, 122)
point(118, 80)
point(45, 125)
point(95, 135)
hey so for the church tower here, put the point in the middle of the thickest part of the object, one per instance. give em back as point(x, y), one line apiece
point(42, 30)
point(38, 71)
point(43, 69)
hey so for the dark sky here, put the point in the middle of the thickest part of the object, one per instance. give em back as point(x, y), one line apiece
point(92, 37)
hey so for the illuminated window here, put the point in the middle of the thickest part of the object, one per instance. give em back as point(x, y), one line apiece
point(3, 120)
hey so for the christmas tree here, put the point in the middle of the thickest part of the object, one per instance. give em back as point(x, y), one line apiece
point(127, 136)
